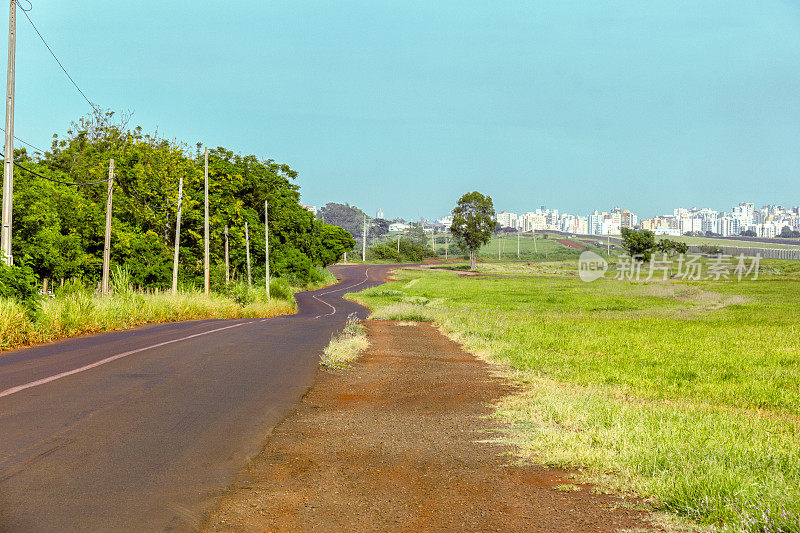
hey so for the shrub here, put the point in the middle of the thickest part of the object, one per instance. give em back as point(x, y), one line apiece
point(19, 283)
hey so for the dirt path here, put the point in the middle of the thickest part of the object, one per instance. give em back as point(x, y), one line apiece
point(394, 444)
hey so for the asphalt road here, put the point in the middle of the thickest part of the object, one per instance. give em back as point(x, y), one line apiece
point(142, 429)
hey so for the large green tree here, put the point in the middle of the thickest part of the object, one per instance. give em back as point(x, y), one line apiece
point(473, 222)
point(638, 243)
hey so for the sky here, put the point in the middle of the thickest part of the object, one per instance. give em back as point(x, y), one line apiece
point(406, 105)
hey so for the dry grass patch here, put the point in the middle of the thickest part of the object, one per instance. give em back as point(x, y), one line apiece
point(346, 346)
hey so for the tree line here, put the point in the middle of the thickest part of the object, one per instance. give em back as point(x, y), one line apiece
point(58, 229)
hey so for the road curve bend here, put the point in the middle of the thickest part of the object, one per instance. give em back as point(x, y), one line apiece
point(142, 429)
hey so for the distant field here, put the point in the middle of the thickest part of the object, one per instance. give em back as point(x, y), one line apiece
point(531, 250)
point(698, 241)
point(685, 392)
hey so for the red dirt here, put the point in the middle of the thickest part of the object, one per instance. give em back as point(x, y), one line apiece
point(397, 444)
point(571, 244)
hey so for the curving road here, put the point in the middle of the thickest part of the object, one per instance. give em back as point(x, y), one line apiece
point(142, 429)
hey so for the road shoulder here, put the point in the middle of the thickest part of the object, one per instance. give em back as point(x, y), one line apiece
point(403, 441)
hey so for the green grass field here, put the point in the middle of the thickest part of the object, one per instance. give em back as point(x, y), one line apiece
point(687, 393)
point(539, 249)
point(698, 241)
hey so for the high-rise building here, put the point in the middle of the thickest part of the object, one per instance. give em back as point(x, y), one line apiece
point(595, 224)
point(506, 219)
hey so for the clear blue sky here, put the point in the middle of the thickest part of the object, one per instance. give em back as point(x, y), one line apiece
point(404, 105)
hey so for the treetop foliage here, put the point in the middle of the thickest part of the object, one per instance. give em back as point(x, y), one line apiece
point(59, 229)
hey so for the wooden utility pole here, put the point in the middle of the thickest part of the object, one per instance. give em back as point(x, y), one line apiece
point(266, 242)
point(8, 164)
point(398, 244)
point(177, 237)
point(107, 242)
point(534, 241)
point(364, 241)
point(247, 246)
point(206, 267)
point(227, 259)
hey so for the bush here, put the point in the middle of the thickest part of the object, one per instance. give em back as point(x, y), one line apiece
point(413, 252)
point(710, 249)
point(19, 283)
point(294, 266)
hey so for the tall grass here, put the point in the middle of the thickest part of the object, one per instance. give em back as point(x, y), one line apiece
point(79, 311)
point(686, 393)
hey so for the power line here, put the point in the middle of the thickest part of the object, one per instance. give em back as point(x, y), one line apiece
point(25, 12)
point(19, 165)
point(26, 142)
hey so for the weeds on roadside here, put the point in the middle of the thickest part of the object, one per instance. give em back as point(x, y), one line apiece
point(345, 346)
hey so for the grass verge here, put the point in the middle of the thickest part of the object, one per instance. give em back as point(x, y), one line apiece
point(346, 346)
point(84, 313)
point(684, 392)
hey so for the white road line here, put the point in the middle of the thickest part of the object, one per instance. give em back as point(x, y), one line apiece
point(366, 279)
point(18, 388)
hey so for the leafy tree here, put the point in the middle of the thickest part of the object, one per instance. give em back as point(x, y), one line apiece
point(345, 216)
point(473, 223)
point(416, 233)
point(380, 227)
point(59, 229)
point(638, 243)
point(748, 233)
point(788, 233)
point(671, 247)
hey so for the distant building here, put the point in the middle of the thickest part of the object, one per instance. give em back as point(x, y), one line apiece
point(506, 219)
point(379, 213)
point(398, 226)
point(309, 208)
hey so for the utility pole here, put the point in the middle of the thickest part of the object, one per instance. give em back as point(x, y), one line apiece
point(517, 244)
point(8, 164)
point(227, 259)
point(247, 246)
point(608, 245)
point(177, 237)
point(498, 247)
point(207, 268)
point(446, 245)
point(398, 244)
point(535, 250)
point(364, 244)
point(266, 242)
point(107, 242)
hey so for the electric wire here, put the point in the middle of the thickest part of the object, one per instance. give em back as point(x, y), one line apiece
point(25, 12)
point(26, 143)
point(23, 167)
